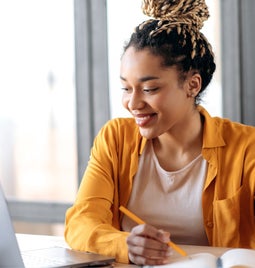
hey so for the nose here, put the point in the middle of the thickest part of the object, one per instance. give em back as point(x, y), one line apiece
point(135, 101)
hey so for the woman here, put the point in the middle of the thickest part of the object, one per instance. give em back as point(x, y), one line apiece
point(189, 176)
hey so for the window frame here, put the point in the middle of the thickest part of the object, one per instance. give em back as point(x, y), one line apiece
point(238, 60)
point(92, 105)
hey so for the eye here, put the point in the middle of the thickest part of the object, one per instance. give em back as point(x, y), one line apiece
point(126, 89)
point(148, 90)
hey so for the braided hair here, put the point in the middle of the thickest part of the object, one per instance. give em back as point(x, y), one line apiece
point(174, 34)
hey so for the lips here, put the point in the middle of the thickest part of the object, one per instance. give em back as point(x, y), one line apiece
point(142, 120)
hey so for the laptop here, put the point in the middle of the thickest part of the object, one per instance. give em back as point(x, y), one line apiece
point(52, 257)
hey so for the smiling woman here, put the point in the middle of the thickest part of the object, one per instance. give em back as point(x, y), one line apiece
point(171, 163)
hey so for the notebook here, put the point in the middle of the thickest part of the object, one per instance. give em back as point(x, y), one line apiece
point(233, 258)
point(52, 257)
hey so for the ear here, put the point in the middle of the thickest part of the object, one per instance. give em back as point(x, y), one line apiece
point(194, 84)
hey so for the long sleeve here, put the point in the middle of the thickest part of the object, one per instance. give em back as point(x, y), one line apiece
point(93, 222)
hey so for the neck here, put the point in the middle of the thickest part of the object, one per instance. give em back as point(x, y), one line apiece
point(182, 144)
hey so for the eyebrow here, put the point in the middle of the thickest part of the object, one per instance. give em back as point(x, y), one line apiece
point(143, 79)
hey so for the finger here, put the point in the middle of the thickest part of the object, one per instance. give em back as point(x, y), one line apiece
point(152, 232)
point(143, 249)
point(141, 260)
point(146, 242)
point(150, 252)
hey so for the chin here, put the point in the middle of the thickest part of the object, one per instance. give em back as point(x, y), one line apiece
point(147, 134)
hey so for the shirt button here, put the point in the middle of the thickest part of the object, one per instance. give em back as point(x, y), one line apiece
point(170, 179)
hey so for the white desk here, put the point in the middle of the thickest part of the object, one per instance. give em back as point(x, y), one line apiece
point(28, 242)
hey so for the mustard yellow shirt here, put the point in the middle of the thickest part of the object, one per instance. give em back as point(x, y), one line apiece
point(93, 222)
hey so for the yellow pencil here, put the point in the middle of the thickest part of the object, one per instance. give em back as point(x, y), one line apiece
point(140, 221)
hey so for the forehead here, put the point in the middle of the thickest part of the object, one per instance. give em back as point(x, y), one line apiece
point(142, 63)
point(133, 57)
point(140, 59)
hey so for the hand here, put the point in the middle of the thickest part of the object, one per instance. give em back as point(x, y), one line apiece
point(148, 245)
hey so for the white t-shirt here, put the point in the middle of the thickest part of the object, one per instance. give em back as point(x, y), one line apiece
point(169, 200)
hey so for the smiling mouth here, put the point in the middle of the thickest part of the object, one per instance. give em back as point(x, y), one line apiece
point(141, 121)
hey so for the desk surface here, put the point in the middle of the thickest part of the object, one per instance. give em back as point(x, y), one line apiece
point(28, 242)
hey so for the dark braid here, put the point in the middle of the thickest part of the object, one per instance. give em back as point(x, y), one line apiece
point(174, 34)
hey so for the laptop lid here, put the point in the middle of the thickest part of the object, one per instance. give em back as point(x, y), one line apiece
point(54, 257)
point(9, 250)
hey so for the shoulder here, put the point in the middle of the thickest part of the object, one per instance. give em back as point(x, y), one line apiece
point(233, 128)
point(120, 125)
point(120, 136)
point(120, 131)
point(227, 130)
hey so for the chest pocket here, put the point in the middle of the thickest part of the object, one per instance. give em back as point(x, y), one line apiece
point(232, 217)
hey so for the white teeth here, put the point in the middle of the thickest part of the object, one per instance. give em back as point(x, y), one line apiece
point(139, 120)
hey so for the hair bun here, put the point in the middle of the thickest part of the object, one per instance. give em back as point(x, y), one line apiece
point(189, 12)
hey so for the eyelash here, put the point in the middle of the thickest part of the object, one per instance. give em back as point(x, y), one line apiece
point(150, 89)
point(145, 90)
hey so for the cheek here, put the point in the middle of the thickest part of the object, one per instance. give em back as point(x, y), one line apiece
point(165, 102)
point(124, 101)
point(169, 106)
point(176, 100)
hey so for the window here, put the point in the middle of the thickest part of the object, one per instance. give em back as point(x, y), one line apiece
point(38, 157)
